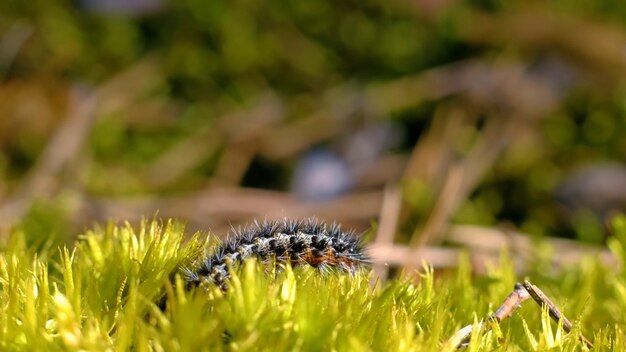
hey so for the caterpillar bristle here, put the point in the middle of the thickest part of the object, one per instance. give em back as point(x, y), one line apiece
point(297, 242)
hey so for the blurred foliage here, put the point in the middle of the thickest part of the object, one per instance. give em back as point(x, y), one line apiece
point(177, 86)
point(208, 58)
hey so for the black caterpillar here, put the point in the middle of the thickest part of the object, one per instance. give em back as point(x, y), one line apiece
point(297, 242)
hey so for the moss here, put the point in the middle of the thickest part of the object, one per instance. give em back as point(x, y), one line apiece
point(104, 294)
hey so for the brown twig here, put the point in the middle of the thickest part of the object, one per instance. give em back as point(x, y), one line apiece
point(511, 303)
point(397, 255)
point(213, 207)
point(462, 179)
point(388, 223)
point(491, 240)
point(464, 176)
point(543, 300)
point(521, 293)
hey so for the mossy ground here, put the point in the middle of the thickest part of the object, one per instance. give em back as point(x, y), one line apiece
point(104, 294)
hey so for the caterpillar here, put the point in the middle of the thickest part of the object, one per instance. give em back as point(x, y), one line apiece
point(297, 242)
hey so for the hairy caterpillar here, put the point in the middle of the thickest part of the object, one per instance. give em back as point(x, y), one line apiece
point(297, 242)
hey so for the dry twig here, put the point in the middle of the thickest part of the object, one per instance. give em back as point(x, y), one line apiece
point(521, 293)
point(388, 223)
point(554, 312)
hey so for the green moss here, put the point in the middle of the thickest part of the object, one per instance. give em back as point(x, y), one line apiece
point(104, 294)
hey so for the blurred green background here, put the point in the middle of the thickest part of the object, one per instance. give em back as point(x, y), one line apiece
point(415, 116)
